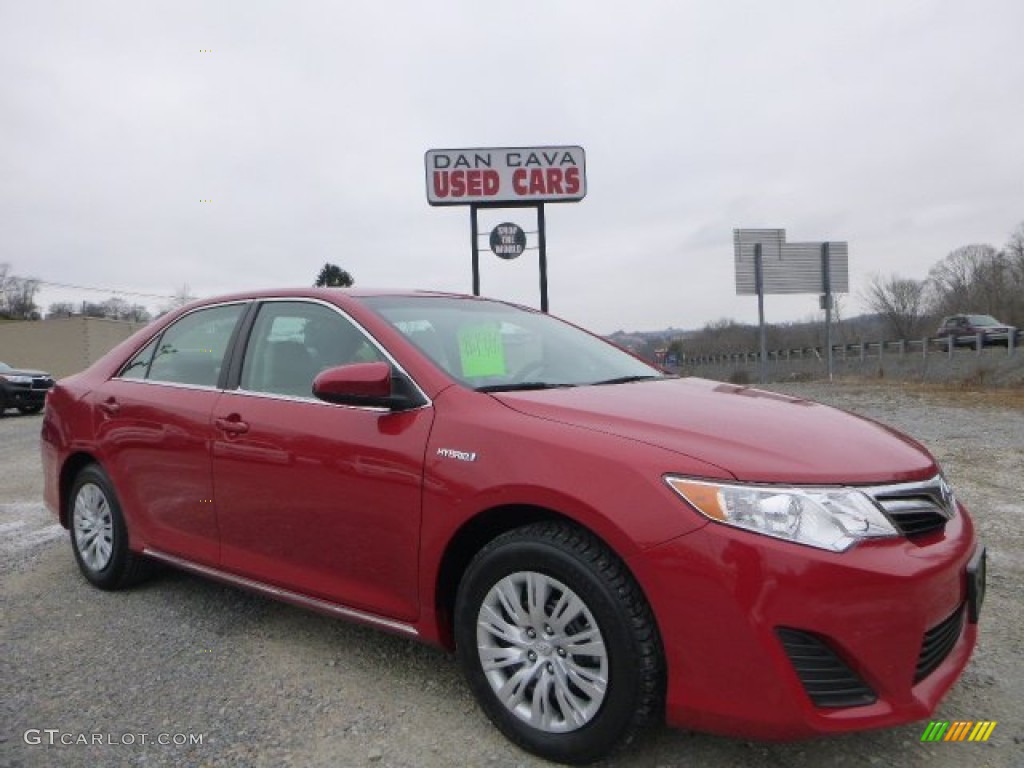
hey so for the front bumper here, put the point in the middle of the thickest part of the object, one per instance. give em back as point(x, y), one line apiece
point(721, 596)
point(990, 337)
point(23, 396)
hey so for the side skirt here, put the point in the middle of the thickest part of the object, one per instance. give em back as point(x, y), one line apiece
point(303, 601)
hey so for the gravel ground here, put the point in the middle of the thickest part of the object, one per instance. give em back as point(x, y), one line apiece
point(265, 684)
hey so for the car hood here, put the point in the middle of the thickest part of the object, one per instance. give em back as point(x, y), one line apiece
point(755, 435)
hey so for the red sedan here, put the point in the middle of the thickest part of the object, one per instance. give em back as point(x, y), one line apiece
point(602, 545)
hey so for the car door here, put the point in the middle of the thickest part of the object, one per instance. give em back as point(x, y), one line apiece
point(153, 429)
point(317, 498)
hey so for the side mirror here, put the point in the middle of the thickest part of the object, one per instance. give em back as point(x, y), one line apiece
point(365, 384)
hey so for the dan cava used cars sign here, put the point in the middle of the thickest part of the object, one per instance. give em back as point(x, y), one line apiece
point(510, 174)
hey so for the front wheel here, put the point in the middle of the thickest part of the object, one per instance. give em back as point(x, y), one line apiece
point(558, 643)
point(99, 537)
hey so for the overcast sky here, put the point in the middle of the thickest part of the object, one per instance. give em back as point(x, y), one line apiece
point(897, 126)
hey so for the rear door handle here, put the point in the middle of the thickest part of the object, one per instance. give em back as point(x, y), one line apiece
point(110, 406)
point(232, 425)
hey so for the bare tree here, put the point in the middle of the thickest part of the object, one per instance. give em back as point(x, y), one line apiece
point(17, 296)
point(900, 302)
point(1015, 245)
point(115, 308)
point(977, 278)
point(180, 299)
point(60, 309)
point(1015, 258)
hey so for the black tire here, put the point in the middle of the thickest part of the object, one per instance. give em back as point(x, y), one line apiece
point(565, 562)
point(27, 409)
point(99, 537)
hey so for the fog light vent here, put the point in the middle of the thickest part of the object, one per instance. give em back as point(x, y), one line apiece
point(826, 678)
point(938, 642)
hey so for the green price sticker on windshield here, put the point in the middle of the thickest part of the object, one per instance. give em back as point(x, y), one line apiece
point(481, 350)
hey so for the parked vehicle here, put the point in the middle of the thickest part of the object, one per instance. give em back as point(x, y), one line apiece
point(965, 329)
point(23, 389)
point(602, 545)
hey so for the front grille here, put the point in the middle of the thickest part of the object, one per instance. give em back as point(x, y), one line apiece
point(827, 679)
point(916, 509)
point(41, 382)
point(938, 642)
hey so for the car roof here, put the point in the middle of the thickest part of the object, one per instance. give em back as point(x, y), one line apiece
point(335, 294)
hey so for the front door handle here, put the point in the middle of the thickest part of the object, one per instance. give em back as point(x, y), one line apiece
point(232, 425)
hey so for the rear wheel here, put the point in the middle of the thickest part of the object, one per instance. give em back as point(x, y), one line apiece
point(557, 643)
point(99, 537)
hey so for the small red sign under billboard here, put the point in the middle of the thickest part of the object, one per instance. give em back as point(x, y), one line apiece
point(506, 175)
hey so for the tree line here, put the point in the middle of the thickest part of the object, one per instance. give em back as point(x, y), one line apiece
point(17, 296)
point(17, 299)
point(977, 279)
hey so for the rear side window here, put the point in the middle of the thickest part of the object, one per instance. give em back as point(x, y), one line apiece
point(138, 366)
point(191, 351)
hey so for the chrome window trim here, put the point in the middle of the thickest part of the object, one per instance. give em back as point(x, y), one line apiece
point(172, 384)
point(324, 606)
point(271, 395)
point(164, 330)
point(362, 329)
point(311, 401)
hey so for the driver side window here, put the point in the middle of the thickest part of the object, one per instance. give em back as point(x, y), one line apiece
point(293, 341)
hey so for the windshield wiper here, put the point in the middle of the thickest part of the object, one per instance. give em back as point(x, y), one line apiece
point(521, 386)
point(628, 379)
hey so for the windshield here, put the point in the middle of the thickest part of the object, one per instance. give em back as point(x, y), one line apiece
point(982, 320)
point(5, 367)
point(492, 346)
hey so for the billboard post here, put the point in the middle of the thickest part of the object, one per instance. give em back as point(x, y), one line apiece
point(826, 284)
point(762, 368)
point(766, 263)
point(473, 236)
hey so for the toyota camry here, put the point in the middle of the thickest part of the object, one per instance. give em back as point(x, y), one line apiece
point(601, 544)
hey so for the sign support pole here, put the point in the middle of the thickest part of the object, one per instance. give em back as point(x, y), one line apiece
point(542, 249)
point(826, 279)
point(476, 250)
point(759, 284)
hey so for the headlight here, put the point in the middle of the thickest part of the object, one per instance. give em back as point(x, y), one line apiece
point(827, 518)
point(17, 379)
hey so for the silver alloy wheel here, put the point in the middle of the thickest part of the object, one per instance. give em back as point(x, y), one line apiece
point(94, 527)
point(542, 652)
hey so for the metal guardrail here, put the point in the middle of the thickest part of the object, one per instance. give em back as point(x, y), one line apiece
point(861, 351)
